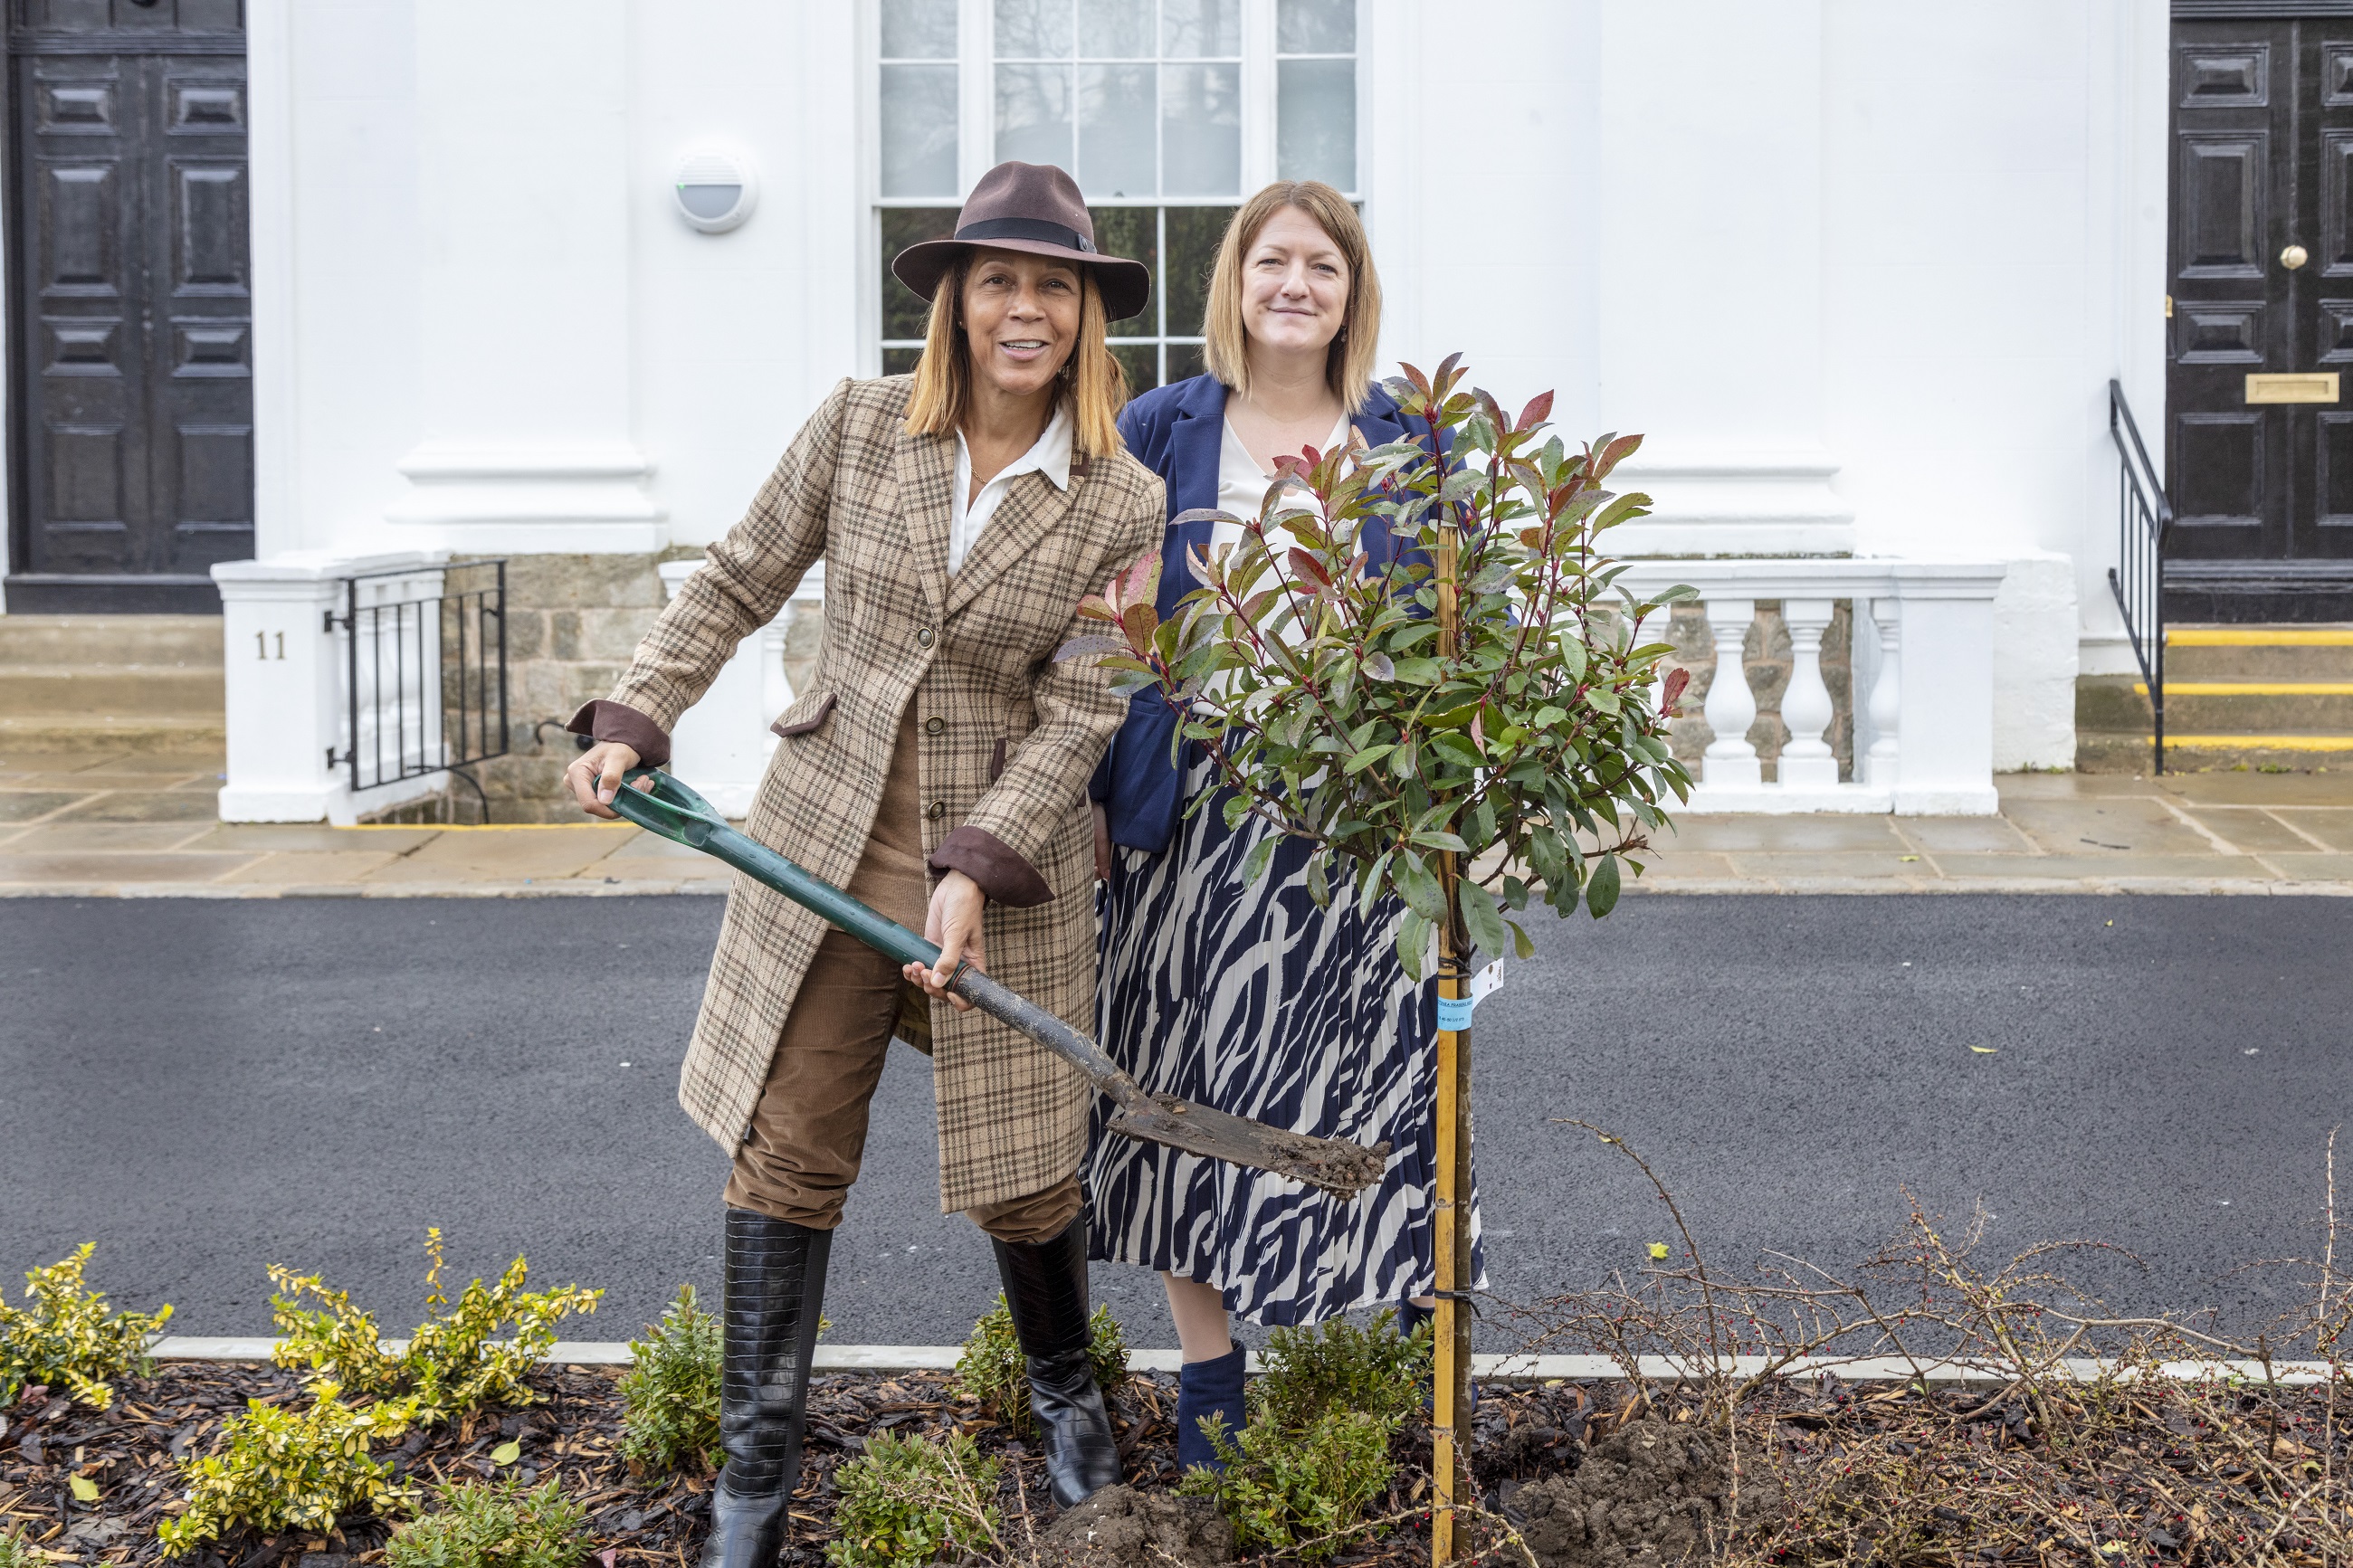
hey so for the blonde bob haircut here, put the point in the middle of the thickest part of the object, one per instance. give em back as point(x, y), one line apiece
point(1348, 363)
point(1091, 381)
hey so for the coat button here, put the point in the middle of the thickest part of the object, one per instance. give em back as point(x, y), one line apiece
point(923, 637)
point(935, 725)
point(939, 809)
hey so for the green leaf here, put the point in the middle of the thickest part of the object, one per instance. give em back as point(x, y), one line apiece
point(1413, 944)
point(1366, 758)
point(1319, 881)
point(1523, 947)
point(1601, 887)
point(1418, 671)
point(1480, 917)
point(506, 1453)
point(84, 1489)
point(1254, 866)
point(1419, 888)
point(1456, 747)
point(1373, 884)
point(1438, 839)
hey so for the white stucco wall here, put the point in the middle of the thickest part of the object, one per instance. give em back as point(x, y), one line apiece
point(1860, 271)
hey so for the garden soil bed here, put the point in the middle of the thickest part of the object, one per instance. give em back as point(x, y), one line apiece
point(1586, 1474)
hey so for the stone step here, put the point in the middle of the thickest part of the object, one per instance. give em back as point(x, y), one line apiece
point(118, 692)
point(2187, 751)
point(87, 642)
point(2258, 653)
point(2259, 707)
point(39, 732)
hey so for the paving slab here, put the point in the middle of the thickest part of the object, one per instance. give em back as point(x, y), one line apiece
point(2103, 870)
point(30, 805)
point(1885, 863)
point(2256, 788)
point(71, 835)
point(2312, 868)
point(105, 868)
point(148, 805)
point(1780, 832)
point(2249, 828)
point(313, 868)
point(1984, 835)
point(2070, 786)
point(314, 835)
point(2116, 825)
point(2334, 829)
point(516, 852)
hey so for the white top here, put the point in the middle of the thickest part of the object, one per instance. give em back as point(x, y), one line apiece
point(1241, 488)
point(1051, 457)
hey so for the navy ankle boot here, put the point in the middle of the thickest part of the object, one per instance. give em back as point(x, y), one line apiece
point(1205, 1388)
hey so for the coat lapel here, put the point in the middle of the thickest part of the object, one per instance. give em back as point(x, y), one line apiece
point(1032, 508)
point(926, 466)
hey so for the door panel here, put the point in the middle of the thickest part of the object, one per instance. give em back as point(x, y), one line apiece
point(133, 284)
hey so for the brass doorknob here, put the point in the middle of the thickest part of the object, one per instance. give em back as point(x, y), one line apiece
point(2293, 258)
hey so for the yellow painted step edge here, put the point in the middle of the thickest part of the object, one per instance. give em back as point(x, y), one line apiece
point(2264, 743)
point(2250, 688)
point(2259, 636)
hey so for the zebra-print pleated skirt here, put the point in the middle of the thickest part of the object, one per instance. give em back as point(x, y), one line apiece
point(1256, 1002)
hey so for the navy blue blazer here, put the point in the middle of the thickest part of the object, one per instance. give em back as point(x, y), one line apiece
point(1178, 432)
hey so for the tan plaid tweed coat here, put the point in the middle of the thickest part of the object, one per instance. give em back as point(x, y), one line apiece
point(1008, 739)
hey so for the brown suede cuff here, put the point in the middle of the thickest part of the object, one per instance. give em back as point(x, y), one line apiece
point(1003, 874)
point(605, 720)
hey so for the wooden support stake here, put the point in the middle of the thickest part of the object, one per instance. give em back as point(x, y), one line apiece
point(1451, 1229)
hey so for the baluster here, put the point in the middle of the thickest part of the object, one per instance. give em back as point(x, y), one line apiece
point(1807, 759)
point(1730, 762)
point(1886, 696)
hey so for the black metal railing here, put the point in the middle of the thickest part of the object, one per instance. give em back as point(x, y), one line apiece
point(2144, 517)
point(425, 670)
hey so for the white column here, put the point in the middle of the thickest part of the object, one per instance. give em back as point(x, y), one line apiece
point(1807, 759)
point(1711, 263)
point(1730, 762)
point(1945, 704)
point(1886, 711)
point(524, 210)
point(287, 688)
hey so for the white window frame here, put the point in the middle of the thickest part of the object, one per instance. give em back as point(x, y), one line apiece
point(977, 137)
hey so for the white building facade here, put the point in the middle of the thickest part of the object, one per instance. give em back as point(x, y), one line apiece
point(1860, 273)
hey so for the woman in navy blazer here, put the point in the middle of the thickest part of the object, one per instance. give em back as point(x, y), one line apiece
point(1250, 997)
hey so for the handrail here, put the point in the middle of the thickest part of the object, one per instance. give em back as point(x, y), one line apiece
point(2144, 520)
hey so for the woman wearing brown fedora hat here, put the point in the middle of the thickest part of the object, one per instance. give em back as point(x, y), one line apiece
point(937, 768)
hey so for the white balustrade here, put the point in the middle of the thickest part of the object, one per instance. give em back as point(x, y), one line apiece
point(1922, 655)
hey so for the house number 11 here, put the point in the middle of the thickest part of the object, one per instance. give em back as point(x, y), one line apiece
point(261, 644)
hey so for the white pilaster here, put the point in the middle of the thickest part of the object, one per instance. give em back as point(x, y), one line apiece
point(1885, 710)
point(524, 371)
point(1945, 767)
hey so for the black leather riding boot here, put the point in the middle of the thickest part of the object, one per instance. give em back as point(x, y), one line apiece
point(1046, 1289)
point(775, 1287)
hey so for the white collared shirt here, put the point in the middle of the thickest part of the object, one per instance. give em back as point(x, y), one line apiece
point(1051, 457)
point(1242, 488)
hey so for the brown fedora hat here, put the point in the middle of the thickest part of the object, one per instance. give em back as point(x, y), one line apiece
point(1035, 208)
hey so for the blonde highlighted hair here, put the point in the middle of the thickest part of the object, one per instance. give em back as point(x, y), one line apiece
point(1091, 381)
point(1348, 361)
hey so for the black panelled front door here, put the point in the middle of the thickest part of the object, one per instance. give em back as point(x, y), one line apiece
point(2259, 443)
point(131, 332)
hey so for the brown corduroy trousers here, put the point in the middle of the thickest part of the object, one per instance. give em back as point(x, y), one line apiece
point(808, 1136)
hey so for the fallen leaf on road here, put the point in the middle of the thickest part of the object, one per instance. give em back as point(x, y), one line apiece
point(1987, 1050)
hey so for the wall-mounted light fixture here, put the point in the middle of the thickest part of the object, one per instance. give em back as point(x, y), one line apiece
point(716, 189)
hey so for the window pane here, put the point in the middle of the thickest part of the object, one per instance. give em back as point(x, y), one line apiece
point(1114, 29)
point(1141, 364)
point(1313, 26)
point(904, 311)
point(1193, 237)
point(1201, 131)
point(919, 30)
point(1132, 232)
point(1033, 114)
point(919, 130)
point(900, 361)
point(1315, 122)
point(1115, 130)
point(1200, 29)
point(1033, 29)
point(1187, 360)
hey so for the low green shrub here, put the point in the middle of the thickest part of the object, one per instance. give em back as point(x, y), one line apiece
point(280, 1469)
point(906, 1500)
point(1317, 1447)
point(1340, 1366)
point(64, 1335)
point(671, 1393)
point(992, 1370)
point(1294, 1490)
point(458, 1361)
point(16, 1552)
point(497, 1526)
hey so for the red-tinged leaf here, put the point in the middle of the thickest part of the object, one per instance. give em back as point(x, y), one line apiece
point(1254, 608)
point(1538, 410)
point(1140, 621)
point(1532, 538)
point(1088, 648)
point(1673, 693)
point(1095, 609)
point(1421, 382)
point(1445, 376)
point(1306, 568)
point(1196, 562)
point(1141, 586)
point(1618, 451)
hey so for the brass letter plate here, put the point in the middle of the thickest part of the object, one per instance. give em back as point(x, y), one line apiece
point(2297, 387)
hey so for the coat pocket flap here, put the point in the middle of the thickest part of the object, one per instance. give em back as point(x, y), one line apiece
point(816, 716)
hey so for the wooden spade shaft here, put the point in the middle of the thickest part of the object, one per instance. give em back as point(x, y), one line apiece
point(1331, 1165)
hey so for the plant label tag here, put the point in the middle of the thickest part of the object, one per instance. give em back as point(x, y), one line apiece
point(1454, 1012)
point(1486, 982)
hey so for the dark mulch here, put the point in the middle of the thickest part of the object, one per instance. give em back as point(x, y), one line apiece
point(575, 1434)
